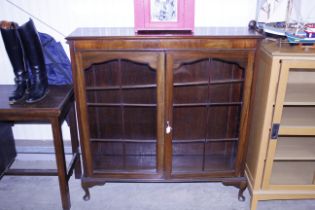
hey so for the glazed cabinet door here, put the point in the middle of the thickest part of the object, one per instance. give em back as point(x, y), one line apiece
point(207, 106)
point(121, 111)
point(290, 162)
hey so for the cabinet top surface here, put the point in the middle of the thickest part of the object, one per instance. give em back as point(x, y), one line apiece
point(129, 33)
point(284, 49)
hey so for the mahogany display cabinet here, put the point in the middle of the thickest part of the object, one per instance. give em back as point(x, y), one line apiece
point(163, 107)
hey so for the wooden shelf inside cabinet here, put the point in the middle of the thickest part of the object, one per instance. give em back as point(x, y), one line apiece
point(208, 104)
point(202, 83)
point(124, 87)
point(204, 140)
point(296, 131)
point(119, 105)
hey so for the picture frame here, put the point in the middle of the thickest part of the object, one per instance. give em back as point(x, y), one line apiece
point(164, 15)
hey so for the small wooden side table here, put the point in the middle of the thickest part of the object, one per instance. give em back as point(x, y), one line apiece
point(58, 104)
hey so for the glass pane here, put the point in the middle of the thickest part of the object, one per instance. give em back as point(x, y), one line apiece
point(295, 148)
point(188, 156)
point(189, 123)
point(192, 73)
point(139, 123)
point(220, 156)
point(224, 70)
point(223, 122)
point(124, 155)
point(298, 116)
point(300, 87)
point(105, 122)
point(226, 93)
point(122, 110)
point(103, 96)
point(137, 74)
point(294, 158)
point(139, 96)
point(293, 173)
point(102, 75)
point(132, 96)
point(163, 11)
point(212, 93)
point(190, 94)
point(207, 104)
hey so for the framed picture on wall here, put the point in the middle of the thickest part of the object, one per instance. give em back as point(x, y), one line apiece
point(164, 15)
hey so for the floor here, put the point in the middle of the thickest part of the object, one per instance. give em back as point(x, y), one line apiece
point(32, 193)
point(42, 193)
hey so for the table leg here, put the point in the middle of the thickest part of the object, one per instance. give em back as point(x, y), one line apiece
point(75, 141)
point(61, 163)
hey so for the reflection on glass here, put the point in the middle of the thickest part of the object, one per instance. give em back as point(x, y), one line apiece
point(163, 10)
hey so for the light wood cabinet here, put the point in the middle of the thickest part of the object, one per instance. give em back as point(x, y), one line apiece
point(163, 107)
point(280, 162)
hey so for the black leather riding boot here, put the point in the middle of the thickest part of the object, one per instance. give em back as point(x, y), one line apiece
point(34, 53)
point(14, 48)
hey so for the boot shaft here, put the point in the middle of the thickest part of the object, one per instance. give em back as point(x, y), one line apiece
point(35, 56)
point(14, 47)
point(33, 49)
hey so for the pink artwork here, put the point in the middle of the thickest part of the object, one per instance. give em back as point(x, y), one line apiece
point(164, 15)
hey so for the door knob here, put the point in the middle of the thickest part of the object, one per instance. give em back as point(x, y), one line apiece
point(168, 127)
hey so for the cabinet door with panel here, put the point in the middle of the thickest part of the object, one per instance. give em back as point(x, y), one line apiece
point(123, 110)
point(206, 102)
point(291, 159)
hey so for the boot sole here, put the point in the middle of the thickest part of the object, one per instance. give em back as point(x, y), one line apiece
point(17, 101)
point(39, 99)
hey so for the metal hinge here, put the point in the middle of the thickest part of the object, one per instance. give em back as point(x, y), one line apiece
point(275, 130)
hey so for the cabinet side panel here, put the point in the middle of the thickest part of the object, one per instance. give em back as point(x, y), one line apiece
point(267, 74)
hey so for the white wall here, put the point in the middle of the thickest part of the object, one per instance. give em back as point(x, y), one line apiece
point(60, 17)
